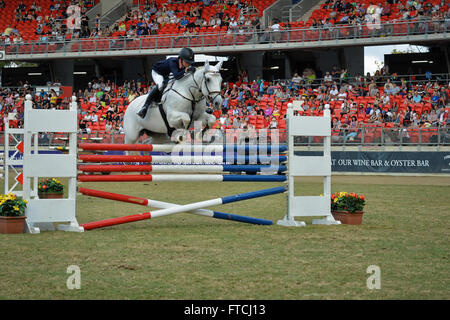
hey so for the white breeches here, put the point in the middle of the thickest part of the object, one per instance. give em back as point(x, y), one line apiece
point(159, 79)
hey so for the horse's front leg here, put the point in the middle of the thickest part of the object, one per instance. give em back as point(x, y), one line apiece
point(208, 122)
point(178, 120)
point(210, 119)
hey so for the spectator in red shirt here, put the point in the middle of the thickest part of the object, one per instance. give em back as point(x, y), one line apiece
point(217, 113)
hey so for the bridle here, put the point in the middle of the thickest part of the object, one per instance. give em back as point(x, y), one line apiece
point(210, 93)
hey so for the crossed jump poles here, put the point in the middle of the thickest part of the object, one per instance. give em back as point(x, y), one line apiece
point(220, 156)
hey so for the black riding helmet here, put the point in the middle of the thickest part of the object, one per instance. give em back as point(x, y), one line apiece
point(187, 55)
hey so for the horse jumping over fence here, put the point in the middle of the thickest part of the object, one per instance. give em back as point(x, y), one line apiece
point(182, 103)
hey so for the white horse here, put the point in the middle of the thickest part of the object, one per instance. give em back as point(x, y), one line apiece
point(182, 103)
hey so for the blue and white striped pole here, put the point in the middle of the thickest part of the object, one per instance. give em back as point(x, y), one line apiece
point(219, 158)
point(181, 168)
point(181, 178)
point(186, 159)
point(255, 148)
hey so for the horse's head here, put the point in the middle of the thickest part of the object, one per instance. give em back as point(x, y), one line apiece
point(212, 83)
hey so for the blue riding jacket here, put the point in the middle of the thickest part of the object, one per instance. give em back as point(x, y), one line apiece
point(168, 66)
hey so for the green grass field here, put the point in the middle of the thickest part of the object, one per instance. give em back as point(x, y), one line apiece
point(404, 232)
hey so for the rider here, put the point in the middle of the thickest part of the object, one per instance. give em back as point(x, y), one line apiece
point(161, 71)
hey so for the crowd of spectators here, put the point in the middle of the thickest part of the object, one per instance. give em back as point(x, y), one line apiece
point(240, 18)
point(206, 15)
point(380, 100)
point(383, 100)
point(42, 22)
point(48, 22)
point(12, 100)
point(335, 12)
point(190, 18)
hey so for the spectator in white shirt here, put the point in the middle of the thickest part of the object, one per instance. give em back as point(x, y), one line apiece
point(342, 95)
point(96, 85)
point(328, 78)
point(334, 92)
point(233, 26)
point(275, 29)
point(225, 120)
point(296, 78)
point(88, 117)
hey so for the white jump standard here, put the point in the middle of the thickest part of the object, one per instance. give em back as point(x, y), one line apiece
point(43, 213)
point(312, 206)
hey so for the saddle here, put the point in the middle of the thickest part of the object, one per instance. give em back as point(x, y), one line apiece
point(167, 85)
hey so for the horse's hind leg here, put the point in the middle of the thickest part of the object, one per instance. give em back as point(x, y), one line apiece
point(208, 121)
point(131, 137)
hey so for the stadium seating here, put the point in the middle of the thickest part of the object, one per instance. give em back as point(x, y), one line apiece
point(27, 28)
point(325, 11)
point(297, 30)
point(372, 131)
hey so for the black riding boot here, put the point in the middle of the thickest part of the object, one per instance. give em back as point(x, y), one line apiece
point(152, 96)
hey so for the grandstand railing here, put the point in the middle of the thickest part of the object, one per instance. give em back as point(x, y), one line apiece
point(379, 80)
point(287, 36)
point(376, 135)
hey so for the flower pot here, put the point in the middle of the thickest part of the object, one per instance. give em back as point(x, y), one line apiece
point(9, 225)
point(50, 195)
point(346, 217)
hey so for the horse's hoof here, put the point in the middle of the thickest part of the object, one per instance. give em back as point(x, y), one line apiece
point(179, 140)
point(213, 138)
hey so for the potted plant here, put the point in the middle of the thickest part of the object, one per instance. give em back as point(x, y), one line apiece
point(50, 188)
point(347, 207)
point(12, 213)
